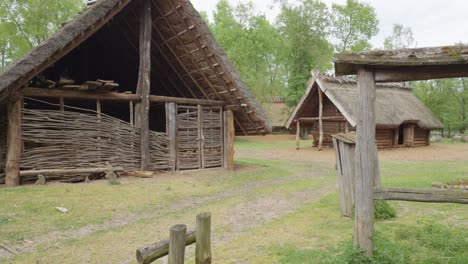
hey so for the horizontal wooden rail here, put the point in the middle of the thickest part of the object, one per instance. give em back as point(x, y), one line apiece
point(421, 195)
point(110, 96)
point(158, 250)
point(69, 171)
point(325, 118)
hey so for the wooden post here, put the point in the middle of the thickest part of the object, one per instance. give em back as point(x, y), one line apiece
point(132, 115)
point(396, 135)
point(345, 172)
point(62, 104)
point(203, 244)
point(408, 136)
point(298, 135)
point(177, 244)
point(151, 253)
point(201, 160)
point(14, 144)
point(229, 135)
point(171, 128)
point(320, 119)
point(144, 82)
point(366, 155)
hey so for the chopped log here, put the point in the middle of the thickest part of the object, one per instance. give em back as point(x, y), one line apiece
point(68, 171)
point(150, 253)
point(14, 144)
point(177, 244)
point(421, 195)
point(109, 86)
point(83, 87)
point(70, 87)
point(92, 85)
point(203, 246)
point(63, 82)
point(111, 175)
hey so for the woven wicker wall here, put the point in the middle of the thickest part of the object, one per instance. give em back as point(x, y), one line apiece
point(55, 139)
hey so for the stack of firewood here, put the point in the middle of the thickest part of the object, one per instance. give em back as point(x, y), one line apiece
point(68, 84)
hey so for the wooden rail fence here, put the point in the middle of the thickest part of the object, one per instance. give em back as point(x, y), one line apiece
point(179, 238)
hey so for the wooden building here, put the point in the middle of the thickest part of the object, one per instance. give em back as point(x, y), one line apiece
point(277, 112)
point(329, 106)
point(140, 84)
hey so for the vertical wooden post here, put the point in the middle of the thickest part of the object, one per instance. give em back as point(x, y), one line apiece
point(320, 119)
point(366, 155)
point(203, 235)
point(62, 104)
point(229, 135)
point(177, 244)
point(201, 159)
point(144, 79)
point(298, 135)
point(171, 128)
point(396, 137)
point(14, 144)
point(345, 172)
point(132, 114)
point(408, 136)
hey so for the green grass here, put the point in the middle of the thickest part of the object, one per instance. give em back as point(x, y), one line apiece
point(242, 143)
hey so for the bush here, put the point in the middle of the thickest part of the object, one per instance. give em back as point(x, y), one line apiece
point(114, 182)
point(382, 210)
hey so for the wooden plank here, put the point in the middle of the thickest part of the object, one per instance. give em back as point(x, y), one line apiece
point(339, 174)
point(171, 119)
point(408, 135)
point(14, 144)
point(151, 253)
point(366, 155)
point(201, 138)
point(122, 97)
point(229, 139)
point(203, 246)
point(347, 152)
point(421, 195)
point(144, 82)
point(177, 244)
point(320, 94)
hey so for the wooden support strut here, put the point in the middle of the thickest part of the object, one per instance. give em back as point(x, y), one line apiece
point(144, 79)
point(14, 144)
point(366, 155)
point(229, 134)
point(320, 94)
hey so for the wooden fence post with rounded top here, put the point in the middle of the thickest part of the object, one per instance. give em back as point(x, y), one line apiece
point(203, 235)
point(177, 244)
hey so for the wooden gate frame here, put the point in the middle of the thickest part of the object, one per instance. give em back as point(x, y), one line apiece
point(391, 66)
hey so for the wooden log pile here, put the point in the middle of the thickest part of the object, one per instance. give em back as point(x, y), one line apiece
point(68, 84)
point(73, 140)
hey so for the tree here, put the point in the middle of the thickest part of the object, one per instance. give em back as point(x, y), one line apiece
point(304, 29)
point(402, 37)
point(26, 23)
point(353, 25)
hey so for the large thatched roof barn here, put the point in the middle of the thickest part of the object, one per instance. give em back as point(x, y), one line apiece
point(140, 84)
point(401, 118)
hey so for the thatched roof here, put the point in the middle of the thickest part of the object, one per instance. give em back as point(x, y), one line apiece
point(395, 103)
point(277, 111)
point(188, 62)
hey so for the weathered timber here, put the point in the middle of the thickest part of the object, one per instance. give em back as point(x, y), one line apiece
point(122, 97)
point(298, 135)
point(229, 139)
point(366, 155)
point(150, 253)
point(171, 121)
point(201, 138)
point(14, 144)
point(327, 118)
point(320, 94)
point(203, 246)
point(144, 79)
point(345, 152)
point(52, 172)
point(177, 244)
point(403, 74)
point(421, 195)
point(408, 135)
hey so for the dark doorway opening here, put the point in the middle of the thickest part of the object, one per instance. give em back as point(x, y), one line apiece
point(401, 133)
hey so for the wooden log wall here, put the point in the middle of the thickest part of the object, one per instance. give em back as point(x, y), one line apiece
point(421, 137)
point(384, 138)
point(67, 140)
point(3, 140)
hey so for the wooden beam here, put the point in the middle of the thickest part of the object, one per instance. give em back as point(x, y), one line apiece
point(320, 94)
point(62, 104)
point(171, 123)
point(404, 74)
point(421, 195)
point(229, 135)
point(59, 172)
point(151, 253)
point(14, 144)
point(326, 118)
point(116, 97)
point(298, 135)
point(366, 155)
point(144, 82)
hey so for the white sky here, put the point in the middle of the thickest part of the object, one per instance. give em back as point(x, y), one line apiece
point(434, 22)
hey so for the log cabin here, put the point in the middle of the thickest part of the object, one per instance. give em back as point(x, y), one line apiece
point(137, 84)
point(329, 106)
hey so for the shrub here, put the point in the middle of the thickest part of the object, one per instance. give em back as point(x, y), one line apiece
point(382, 210)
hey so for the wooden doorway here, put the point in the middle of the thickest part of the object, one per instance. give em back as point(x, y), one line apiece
point(200, 141)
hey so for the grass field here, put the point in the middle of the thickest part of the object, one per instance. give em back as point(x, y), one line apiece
point(279, 206)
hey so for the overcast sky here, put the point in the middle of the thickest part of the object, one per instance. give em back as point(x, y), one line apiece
point(434, 22)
